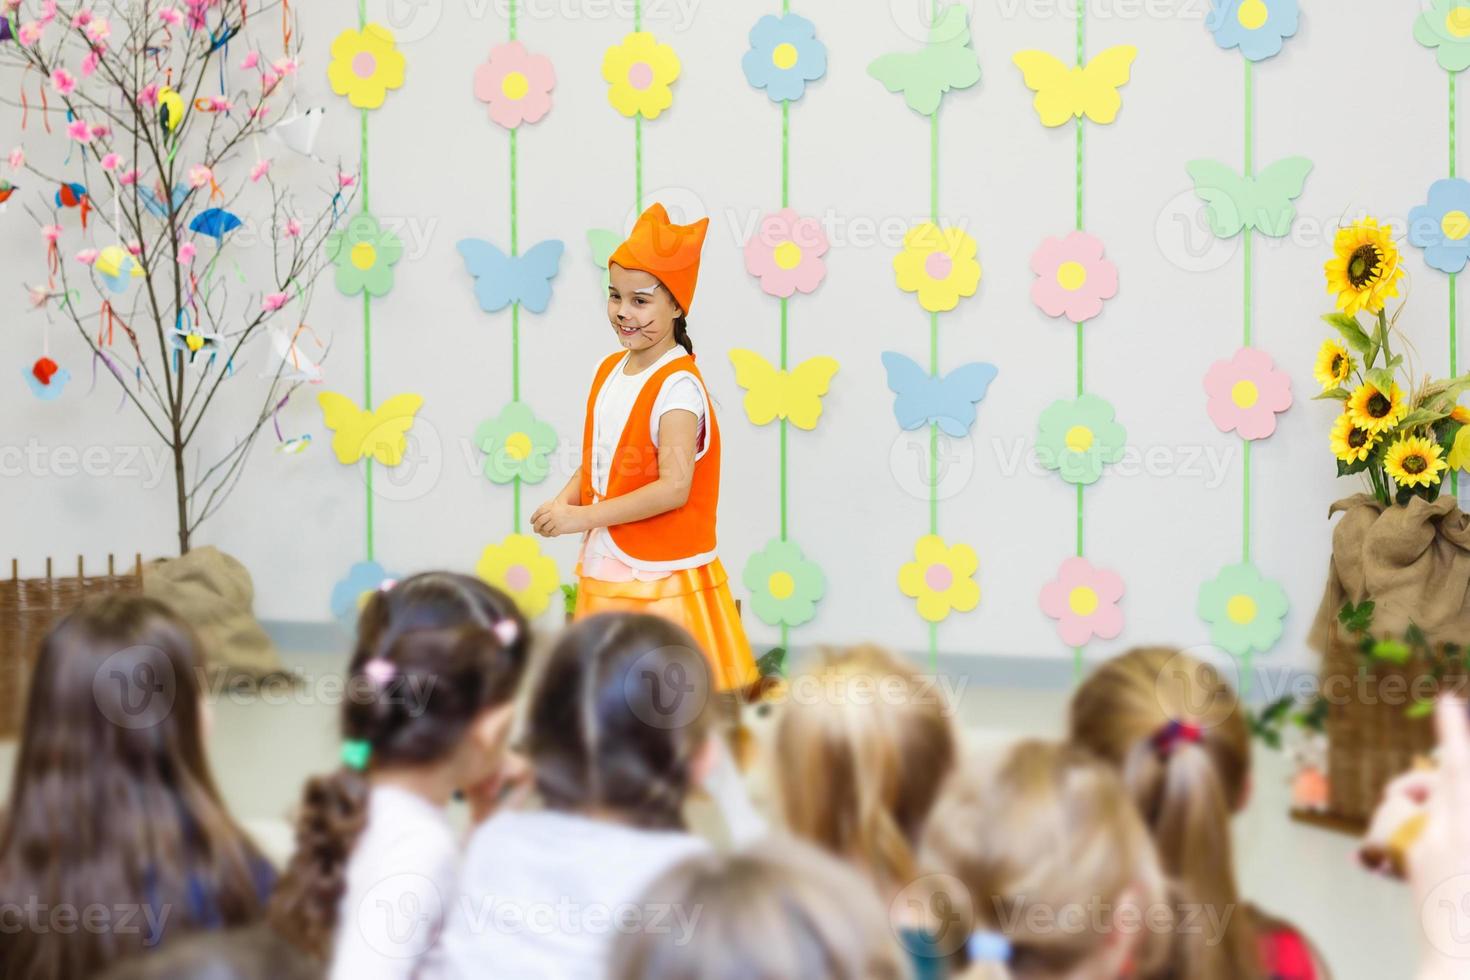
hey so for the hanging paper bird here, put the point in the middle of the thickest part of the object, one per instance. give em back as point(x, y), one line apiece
point(170, 109)
point(74, 196)
point(296, 446)
point(189, 343)
point(298, 130)
point(6, 189)
point(116, 268)
point(153, 199)
point(214, 222)
point(46, 378)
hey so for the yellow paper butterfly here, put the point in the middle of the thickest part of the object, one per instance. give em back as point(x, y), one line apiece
point(381, 433)
point(1066, 92)
point(771, 393)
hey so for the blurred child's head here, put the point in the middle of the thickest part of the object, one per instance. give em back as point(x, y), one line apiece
point(1048, 865)
point(255, 953)
point(619, 724)
point(785, 910)
point(864, 747)
point(439, 600)
point(431, 701)
point(642, 311)
point(113, 801)
point(1177, 733)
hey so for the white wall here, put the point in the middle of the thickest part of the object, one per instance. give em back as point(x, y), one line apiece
point(1352, 91)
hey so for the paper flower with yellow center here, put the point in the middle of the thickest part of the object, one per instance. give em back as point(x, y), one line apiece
point(1414, 461)
point(784, 586)
point(1078, 438)
point(784, 55)
point(1257, 27)
point(365, 253)
point(1335, 365)
point(1351, 444)
point(1442, 226)
point(1244, 609)
point(516, 84)
point(365, 65)
point(1365, 269)
point(1072, 277)
point(1375, 411)
point(1444, 26)
point(517, 567)
point(353, 591)
point(1246, 393)
point(940, 578)
point(638, 72)
point(939, 264)
point(516, 444)
point(1084, 602)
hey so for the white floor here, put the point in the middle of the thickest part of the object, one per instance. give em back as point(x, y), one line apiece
point(263, 746)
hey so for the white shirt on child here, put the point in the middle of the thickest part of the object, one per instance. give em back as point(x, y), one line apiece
point(601, 558)
point(546, 894)
point(400, 888)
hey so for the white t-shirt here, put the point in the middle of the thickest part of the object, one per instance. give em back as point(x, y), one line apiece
point(546, 894)
point(601, 558)
point(400, 887)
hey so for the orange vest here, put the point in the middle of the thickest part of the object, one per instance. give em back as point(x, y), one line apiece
point(676, 534)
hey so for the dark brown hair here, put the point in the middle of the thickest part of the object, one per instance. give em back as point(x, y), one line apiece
point(113, 803)
point(620, 710)
point(439, 680)
point(256, 953)
point(681, 334)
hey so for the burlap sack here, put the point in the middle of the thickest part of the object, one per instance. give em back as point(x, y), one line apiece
point(1412, 561)
point(215, 594)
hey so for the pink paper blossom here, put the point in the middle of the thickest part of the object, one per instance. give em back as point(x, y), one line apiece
point(293, 228)
point(17, 158)
point(87, 256)
point(1072, 277)
point(79, 131)
point(148, 95)
point(186, 253)
point(30, 33)
point(220, 104)
point(274, 302)
point(516, 84)
point(786, 253)
point(284, 66)
point(51, 233)
point(63, 81)
point(268, 82)
point(1084, 602)
point(135, 248)
point(40, 295)
point(82, 18)
point(200, 176)
point(99, 30)
point(90, 62)
point(111, 161)
point(48, 12)
point(250, 61)
point(128, 178)
point(260, 170)
point(1246, 393)
point(170, 16)
point(101, 132)
point(345, 180)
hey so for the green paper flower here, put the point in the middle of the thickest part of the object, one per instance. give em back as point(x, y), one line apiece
point(1445, 26)
point(1077, 438)
point(1244, 609)
point(784, 586)
point(515, 444)
point(365, 253)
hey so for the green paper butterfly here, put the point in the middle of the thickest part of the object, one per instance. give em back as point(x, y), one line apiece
point(924, 76)
point(1262, 202)
point(603, 244)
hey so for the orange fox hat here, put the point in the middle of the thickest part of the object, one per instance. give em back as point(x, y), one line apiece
point(667, 251)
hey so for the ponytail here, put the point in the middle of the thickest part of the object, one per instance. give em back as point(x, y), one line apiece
point(331, 818)
point(681, 334)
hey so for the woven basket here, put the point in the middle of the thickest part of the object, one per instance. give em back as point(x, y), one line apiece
point(28, 607)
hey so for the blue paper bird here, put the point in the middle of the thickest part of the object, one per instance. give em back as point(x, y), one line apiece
point(214, 222)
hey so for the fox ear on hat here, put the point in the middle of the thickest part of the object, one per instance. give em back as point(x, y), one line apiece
point(666, 251)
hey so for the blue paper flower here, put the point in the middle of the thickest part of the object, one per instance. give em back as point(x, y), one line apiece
point(784, 55)
point(1442, 227)
point(363, 579)
point(1257, 27)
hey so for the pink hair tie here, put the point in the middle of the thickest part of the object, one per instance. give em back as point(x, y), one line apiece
point(379, 671)
point(387, 584)
point(1168, 737)
point(507, 631)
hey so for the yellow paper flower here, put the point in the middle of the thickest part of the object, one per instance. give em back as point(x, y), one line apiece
point(1459, 458)
point(1334, 365)
point(517, 567)
point(938, 264)
point(639, 72)
point(940, 578)
point(1415, 461)
point(1376, 412)
point(1350, 443)
point(365, 65)
point(1365, 270)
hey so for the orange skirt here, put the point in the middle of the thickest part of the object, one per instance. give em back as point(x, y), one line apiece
point(698, 599)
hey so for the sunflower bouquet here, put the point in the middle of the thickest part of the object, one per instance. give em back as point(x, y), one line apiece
point(1405, 437)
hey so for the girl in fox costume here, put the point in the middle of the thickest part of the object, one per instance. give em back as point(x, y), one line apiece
point(646, 494)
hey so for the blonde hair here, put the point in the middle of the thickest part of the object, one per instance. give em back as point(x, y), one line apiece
point(1052, 831)
point(788, 910)
point(1176, 732)
point(863, 761)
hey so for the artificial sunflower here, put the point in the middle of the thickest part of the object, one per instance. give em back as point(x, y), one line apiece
point(1334, 366)
point(1364, 270)
point(1374, 411)
point(1415, 461)
point(1350, 443)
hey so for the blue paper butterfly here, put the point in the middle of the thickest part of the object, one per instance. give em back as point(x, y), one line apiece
point(157, 206)
point(501, 279)
point(949, 401)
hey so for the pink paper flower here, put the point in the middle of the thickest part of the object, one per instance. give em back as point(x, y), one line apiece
point(135, 248)
point(260, 169)
point(128, 178)
point(30, 33)
point(87, 256)
point(148, 95)
point(111, 161)
point(293, 228)
point(1084, 602)
point(1072, 277)
point(170, 16)
point(345, 180)
point(200, 176)
point(17, 158)
point(516, 84)
point(63, 81)
point(186, 253)
point(1246, 393)
point(48, 12)
point(100, 132)
point(98, 30)
point(284, 66)
point(82, 18)
point(51, 233)
point(79, 131)
point(90, 62)
point(250, 61)
point(786, 253)
point(274, 302)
